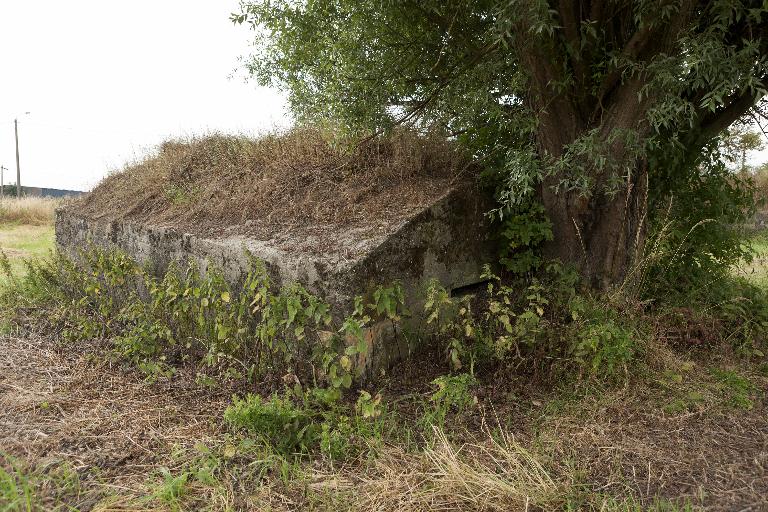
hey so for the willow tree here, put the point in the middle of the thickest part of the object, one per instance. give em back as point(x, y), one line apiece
point(582, 103)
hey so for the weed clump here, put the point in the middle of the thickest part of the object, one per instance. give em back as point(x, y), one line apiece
point(542, 323)
point(301, 421)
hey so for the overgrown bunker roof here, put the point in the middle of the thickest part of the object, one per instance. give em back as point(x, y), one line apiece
point(341, 221)
point(295, 188)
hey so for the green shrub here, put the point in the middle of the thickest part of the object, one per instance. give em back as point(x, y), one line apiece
point(453, 394)
point(294, 425)
point(731, 311)
point(696, 223)
point(522, 229)
point(697, 236)
point(602, 344)
point(742, 309)
point(250, 332)
point(278, 421)
point(538, 321)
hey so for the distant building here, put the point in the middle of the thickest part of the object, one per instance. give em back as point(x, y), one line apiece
point(57, 192)
point(42, 192)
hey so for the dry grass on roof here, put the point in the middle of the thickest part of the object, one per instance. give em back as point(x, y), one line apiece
point(279, 182)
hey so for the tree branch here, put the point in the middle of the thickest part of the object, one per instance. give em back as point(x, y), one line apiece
point(715, 123)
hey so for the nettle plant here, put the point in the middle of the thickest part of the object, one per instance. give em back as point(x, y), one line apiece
point(540, 321)
point(189, 316)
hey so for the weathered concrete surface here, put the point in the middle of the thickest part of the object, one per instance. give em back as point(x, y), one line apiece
point(448, 241)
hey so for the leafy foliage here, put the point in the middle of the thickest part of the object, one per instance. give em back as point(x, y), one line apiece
point(582, 107)
point(548, 323)
point(278, 420)
point(698, 235)
point(453, 394)
point(523, 230)
point(187, 316)
point(296, 423)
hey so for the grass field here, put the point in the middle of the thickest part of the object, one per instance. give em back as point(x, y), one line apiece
point(20, 241)
point(757, 271)
point(26, 229)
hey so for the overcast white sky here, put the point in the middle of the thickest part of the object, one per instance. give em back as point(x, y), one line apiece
point(106, 80)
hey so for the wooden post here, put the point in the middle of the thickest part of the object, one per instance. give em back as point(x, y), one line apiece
point(18, 170)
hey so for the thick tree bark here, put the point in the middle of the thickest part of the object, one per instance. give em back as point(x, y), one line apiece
point(602, 236)
point(600, 233)
point(602, 230)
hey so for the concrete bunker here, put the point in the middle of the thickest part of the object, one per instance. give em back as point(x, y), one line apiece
point(438, 232)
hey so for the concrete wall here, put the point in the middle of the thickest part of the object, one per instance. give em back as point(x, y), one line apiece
point(447, 241)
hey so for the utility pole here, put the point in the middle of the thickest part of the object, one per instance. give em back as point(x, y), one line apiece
point(18, 170)
point(2, 183)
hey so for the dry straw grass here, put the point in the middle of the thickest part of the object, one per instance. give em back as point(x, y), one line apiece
point(63, 405)
point(125, 429)
point(493, 474)
point(300, 178)
point(35, 211)
point(62, 409)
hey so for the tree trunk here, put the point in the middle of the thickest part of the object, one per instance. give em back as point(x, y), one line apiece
point(601, 236)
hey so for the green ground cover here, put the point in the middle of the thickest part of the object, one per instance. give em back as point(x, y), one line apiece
point(19, 241)
point(757, 270)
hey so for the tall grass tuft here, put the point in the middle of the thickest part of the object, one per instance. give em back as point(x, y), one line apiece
point(496, 474)
point(35, 211)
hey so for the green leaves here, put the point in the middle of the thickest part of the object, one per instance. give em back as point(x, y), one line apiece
point(453, 393)
point(388, 301)
point(522, 231)
point(368, 406)
point(346, 60)
point(579, 102)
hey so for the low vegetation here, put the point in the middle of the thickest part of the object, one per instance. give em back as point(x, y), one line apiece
point(30, 211)
point(533, 392)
